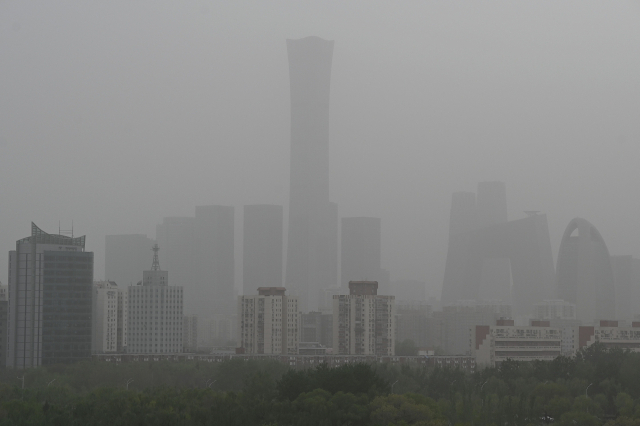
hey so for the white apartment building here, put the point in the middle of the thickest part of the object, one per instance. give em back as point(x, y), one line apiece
point(155, 313)
point(268, 322)
point(109, 318)
point(495, 344)
point(363, 321)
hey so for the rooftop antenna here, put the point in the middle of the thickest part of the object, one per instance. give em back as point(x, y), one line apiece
point(65, 231)
point(156, 263)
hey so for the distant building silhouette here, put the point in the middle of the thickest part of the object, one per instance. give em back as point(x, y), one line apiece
point(262, 247)
point(584, 272)
point(490, 258)
point(50, 283)
point(312, 236)
point(626, 275)
point(125, 257)
point(360, 250)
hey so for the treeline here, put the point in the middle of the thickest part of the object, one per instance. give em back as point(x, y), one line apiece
point(596, 387)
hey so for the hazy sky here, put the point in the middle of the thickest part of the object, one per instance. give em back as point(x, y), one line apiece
point(115, 114)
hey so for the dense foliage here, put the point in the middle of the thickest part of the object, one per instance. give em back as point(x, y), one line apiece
point(596, 387)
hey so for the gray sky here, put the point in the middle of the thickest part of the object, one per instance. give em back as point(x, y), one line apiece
point(115, 114)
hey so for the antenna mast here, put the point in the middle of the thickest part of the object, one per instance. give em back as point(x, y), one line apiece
point(156, 263)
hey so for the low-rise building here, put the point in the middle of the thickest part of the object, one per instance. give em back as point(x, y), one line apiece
point(497, 343)
point(609, 334)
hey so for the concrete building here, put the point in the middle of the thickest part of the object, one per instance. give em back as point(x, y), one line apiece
point(312, 237)
point(268, 322)
point(190, 333)
point(155, 313)
point(626, 277)
point(50, 285)
point(223, 330)
point(4, 311)
point(412, 323)
point(554, 309)
point(360, 250)
point(262, 248)
point(492, 258)
point(497, 343)
point(125, 256)
point(609, 334)
point(109, 318)
point(363, 321)
point(584, 272)
point(317, 327)
point(457, 321)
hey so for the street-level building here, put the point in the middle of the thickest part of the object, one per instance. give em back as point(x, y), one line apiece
point(495, 344)
point(268, 322)
point(363, 321)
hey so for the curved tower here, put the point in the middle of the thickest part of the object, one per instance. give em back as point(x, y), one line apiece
point(584, 272)
point(310, 251)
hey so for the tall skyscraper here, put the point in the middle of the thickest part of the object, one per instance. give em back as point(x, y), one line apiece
point(125, 256)
point(215, 261)
point(50, 287)
point(262, 247)
point(585, 276)
point(360, 250)
point(155, 313)
point(310, 249)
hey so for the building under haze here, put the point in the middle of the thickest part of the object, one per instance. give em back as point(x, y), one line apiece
point(109, 318)
point(4, 310)
point(190, 333)
point(199, 252)
point(626, 276)
point(364, 323)
point(312, 237)
point(125, 256)
point(491, 258)
point(155, 313)
point(584, 272)
point(268, 322)
point(262, 247)
point(50, 286)
point(360, 250)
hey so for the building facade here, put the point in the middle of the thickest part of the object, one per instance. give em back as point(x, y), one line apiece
point(4, 310)
point(495, 344)
point(312, 237)
point(50, 286)
point(109, 318)
point(317, 327)
point(412, 323)
point(155, 313)
point(363, 321)
point(268, 323)
point(190, 333)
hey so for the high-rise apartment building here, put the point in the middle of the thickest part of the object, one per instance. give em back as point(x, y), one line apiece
point(262, 247)
point(109, 318)
point(190, 333)
point(317, 327)
point(268, 322)
point(360, 250)
point(4, 310)
point(125, 256)
point(155, 313)
point(312, 237)
point(363, 322)
point(50, 285)
point(412, 323)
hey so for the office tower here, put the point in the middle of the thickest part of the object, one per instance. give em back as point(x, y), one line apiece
point(363, 322)
point(268, 322)
point(317, 327)
point(412, 323)
point(262, 247)
point(626, 275)
point(490, 258)
point(50, 284)
point(585, 275)
point(360, 249)
point(155, 313)
point(190, 333)
point(125, 256)
point(4, 311)
point(109, 317)
point(215, 264)
point(309, 248)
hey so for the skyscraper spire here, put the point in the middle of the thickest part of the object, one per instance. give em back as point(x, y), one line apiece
point(156, 263)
